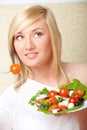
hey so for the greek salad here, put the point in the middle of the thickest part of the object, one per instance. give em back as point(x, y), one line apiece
point(64, 99)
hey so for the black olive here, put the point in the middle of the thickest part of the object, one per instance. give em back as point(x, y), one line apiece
point(78, 103)
point(81, 100)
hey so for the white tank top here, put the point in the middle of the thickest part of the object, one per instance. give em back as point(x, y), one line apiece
point(27, 118)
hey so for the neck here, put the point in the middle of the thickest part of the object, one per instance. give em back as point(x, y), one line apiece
point(45, 75)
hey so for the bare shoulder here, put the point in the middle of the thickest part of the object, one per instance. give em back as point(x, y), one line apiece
point(77, 66)
point(76, 70)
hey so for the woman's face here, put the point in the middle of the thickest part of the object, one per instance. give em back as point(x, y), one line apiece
point(33, 44)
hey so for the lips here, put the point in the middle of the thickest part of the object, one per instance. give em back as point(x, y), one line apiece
point(31, 55)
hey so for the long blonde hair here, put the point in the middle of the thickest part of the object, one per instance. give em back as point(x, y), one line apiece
point(26, 17)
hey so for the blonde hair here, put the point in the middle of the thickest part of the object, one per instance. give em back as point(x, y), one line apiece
point(26, 17)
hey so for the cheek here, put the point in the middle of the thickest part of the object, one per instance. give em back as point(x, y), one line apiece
point(18, 48)
point(47, 44)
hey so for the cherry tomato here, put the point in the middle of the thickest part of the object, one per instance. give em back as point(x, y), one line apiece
point(73, 99)
point(64, 92)
point(52, 107)
point(61, 107)
point(15, 68)
point(54, 100)
point(80, 91)
point(52, 93)
point(76, 94)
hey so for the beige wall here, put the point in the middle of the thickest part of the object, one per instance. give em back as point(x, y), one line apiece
point(72, 21)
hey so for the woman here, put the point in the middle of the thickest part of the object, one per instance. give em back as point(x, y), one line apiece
point(35, 43)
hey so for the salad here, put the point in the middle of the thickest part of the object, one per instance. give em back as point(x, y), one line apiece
point(64, 99)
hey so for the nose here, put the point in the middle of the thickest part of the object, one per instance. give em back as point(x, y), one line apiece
point(29, 44)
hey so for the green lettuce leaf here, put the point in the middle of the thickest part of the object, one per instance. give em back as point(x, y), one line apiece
point(75, 85)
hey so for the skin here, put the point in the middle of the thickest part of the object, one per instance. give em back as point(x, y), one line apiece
point(32, 43)
point(76, 70)
point(33, 46)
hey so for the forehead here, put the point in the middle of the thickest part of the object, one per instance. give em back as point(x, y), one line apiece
point(38, 24)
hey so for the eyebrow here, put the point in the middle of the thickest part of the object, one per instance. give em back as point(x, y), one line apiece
point(32, 30)
point(37, 29)
point(18, 33)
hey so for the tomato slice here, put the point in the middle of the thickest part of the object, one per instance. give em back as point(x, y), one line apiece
point(61, 108)
point(64, 92)
point(76, 94)
point(15, 68)
point(80, 91)
point(52, 93)
point(73, 99)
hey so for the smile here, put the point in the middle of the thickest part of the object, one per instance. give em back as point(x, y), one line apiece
point(31, 55)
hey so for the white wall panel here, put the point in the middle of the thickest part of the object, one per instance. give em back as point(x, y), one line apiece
point(37, 1)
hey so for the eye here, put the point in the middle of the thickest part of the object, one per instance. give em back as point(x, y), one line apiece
point(19, 37)
point(37, 34)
